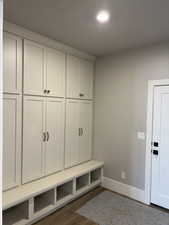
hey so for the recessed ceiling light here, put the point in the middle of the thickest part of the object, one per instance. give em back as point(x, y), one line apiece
point(103, 16)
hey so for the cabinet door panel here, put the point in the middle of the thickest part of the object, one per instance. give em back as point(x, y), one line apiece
point(34, 68)
point(72, 133)
point(86, 79)
point(54, 154)
point(55, 73)
point(11, 141)
point(12, 64)
point(73, 77)
point(86, 134)
point(33, 144)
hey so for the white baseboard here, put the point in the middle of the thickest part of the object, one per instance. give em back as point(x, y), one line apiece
point(124, 189)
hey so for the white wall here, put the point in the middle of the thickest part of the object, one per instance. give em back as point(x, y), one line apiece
point(120, 109)
point(1, 23)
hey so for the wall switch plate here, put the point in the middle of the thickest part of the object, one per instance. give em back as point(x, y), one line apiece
point(123, 175)
point(141, 135)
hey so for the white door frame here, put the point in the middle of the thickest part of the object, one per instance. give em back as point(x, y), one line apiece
point(149, 129)
point(1, 86)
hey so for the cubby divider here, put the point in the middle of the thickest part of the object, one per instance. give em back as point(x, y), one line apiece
point(16, 215)
point(82, 182)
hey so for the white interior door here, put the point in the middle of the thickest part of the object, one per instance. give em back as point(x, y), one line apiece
point(86, 79)
point(55, 73)
point(72, 133)
point(85, 138)
point(54, 152)
point(11, 141)
point(160, 148)
point(12, 64)
point(33, 138)
point(34, 68)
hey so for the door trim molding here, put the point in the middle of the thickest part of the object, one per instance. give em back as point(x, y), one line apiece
point(149, 130)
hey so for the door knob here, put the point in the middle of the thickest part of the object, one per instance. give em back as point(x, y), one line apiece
point(155, 152)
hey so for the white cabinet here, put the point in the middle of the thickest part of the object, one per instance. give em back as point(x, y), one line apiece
point(34, 68)
point(55, 73)
point(12, 64)
point(55, 116)
point(11, 140)
point(85, 123)
point(33, 138)
point(78, 132)
point(43, 137)
point(72, 133)
point(79, 78)
point(44, 70)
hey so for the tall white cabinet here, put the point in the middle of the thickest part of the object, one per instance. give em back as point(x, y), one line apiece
point(43, 136)
point(11, 140)
point(47, 111)
point(78, 132)
point(12, 110)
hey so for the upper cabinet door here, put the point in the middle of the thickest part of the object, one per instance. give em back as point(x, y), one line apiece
point(12, 64)
point(86, 79)
point(85, 124)
point(34, 68)
point(72, 133)
point(79, 78)
point(54, 154)
point(73, 77)
point(55, 73)
point(33, 138)
point(11, 141)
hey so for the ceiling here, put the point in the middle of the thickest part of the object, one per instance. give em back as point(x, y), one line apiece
point(133, 23)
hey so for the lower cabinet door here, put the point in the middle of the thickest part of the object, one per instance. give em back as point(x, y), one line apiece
point(33, 138)
point(11, 141)
point(54, 150)
point(72, 133)
point(85, 124)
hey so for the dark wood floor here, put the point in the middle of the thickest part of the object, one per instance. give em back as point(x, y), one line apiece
point(67, 215)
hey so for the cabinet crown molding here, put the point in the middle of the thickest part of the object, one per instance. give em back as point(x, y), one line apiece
point(27, 34)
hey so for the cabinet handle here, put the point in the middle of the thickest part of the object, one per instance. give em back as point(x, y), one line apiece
point(44, 136)
point(81, 131)
point(45, 91)
point(48, 91)
point(81, 94)
point(47, 136)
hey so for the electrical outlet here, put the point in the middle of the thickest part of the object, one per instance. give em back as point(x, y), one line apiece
point(123, 175)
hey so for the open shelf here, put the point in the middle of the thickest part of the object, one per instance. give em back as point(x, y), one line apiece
point(64, 190)
point(95, 175)
point(82, 182)
point(44, 201)
point(18, 214)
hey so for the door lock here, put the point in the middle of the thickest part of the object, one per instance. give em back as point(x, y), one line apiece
point(155, 152)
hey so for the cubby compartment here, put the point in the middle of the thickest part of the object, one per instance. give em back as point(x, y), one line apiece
point(16, 215)
point(44, 201)
point(95, 175)
point(64, 190)
point(82, 182)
